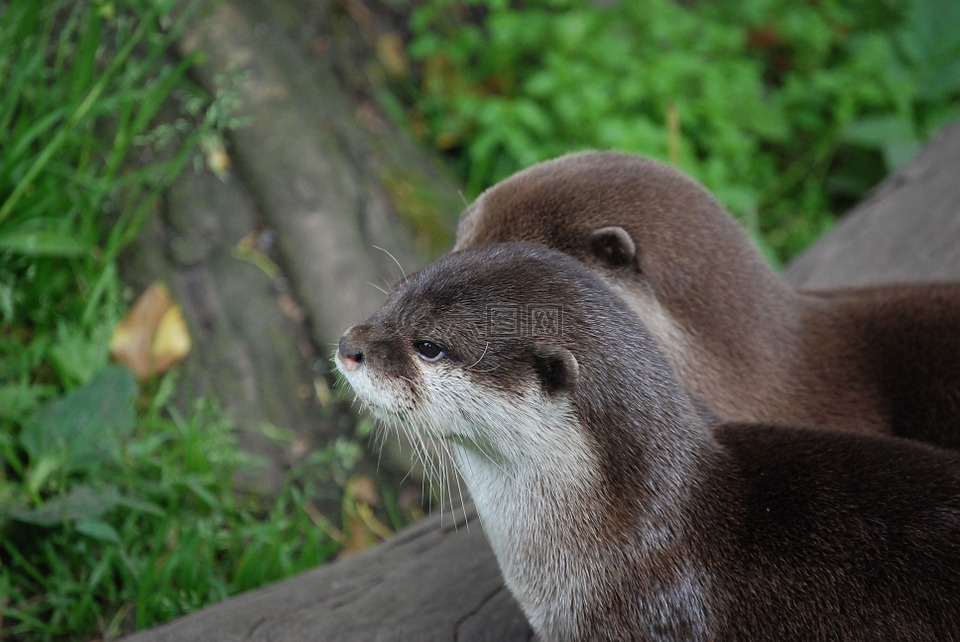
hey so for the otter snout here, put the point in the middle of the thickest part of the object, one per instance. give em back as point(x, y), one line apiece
point(349, 352)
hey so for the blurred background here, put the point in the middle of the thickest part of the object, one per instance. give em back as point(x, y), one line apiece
point(788, 112)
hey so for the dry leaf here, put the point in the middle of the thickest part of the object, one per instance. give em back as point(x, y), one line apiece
point(133, 337)
point(171, 342)
point(153, 336)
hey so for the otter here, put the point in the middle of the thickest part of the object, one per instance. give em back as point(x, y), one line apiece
point(743, 342)
point(615, 512)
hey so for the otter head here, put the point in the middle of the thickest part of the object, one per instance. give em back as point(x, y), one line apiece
point(631, 219)
point(467, 348)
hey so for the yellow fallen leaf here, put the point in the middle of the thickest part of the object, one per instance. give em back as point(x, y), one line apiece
point(171, 342)
point(133, 337)
point(153, 336)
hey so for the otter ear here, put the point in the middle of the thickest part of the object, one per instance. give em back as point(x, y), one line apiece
point(557, 368)
point(613, 246)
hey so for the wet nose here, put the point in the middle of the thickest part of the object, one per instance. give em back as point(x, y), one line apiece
point(350, 353)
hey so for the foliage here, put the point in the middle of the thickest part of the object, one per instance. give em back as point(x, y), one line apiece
point(116, 511)
point(124, 520)
point(787, 111)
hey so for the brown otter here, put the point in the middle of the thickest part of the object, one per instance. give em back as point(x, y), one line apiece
point(614, 511)
point(742, 341)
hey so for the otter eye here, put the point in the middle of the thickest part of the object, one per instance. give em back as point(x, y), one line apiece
point(428, 350)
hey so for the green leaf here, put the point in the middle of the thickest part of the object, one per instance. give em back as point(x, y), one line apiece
point(41, 469)
point(933, 26)
point(99, 530)
point(198, 489)
point(76, 355)
point(532, 116)
point(142, 506)
point(875, 131)
point(898, 152)
point(19, 400)
point(80, 503)
point(82, 428)
point(941, 83)
point(891, 134)
point(41, 243)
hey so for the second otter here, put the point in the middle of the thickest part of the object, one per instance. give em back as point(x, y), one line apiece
point(743, 342)
point(614, 511)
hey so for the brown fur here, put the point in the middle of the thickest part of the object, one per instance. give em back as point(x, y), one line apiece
point(875, 359)
point(678, 531)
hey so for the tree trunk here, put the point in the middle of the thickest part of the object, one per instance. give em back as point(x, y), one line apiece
point(320, 180)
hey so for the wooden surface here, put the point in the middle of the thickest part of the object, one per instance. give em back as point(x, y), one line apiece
point(441, 583)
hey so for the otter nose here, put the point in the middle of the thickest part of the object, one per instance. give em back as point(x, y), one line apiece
point(350, 353)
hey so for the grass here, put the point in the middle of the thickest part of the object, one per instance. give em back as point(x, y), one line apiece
point(117, 512)
point(156, 530)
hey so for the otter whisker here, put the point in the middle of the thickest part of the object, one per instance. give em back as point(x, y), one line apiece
point(438, 464)
point(447, 472)
point(493, 369)
point(410, 473)
point(486, 346)
point(380, 436)
point(420, 456)
point(456, 477)
point(407, 379)
point(469, 465)
point(436, 483)
point(444, 486)
point(392, 257)
point(386, 282)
